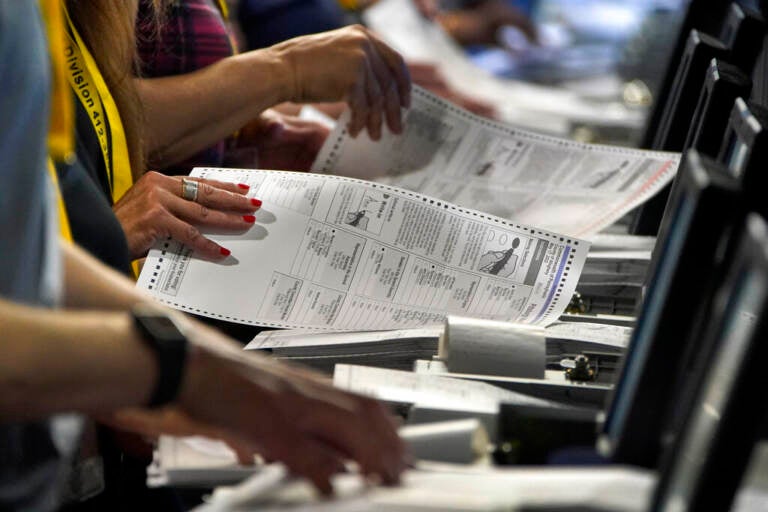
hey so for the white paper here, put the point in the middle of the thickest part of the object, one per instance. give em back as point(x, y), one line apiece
point(301, 339)
point(427, 390)
point(541, 108)
point(204, 462)
point(310, 113)
point(455, 488)
point(604, 334)
point(444, 151)
point(192, 461)
point(335, 253)
point(615, 241)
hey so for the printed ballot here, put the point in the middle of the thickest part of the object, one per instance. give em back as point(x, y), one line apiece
point(336, 253)
point(552, 183)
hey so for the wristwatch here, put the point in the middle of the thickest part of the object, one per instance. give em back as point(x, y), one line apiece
point(169, 345)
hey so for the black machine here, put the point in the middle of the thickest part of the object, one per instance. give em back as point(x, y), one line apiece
point(707, 202)
point(723, 84)
point(665, 339)
point(741, 31)
point(676, 120)
point(704, 466)
point(745, 146)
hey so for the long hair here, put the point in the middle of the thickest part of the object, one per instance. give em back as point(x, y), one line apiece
point(108, 29)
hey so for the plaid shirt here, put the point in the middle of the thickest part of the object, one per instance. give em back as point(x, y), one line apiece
point(193, 36)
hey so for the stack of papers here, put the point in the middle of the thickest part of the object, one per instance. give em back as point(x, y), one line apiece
point(396, 349)
point(204, 462)
point(400, 349)
point(449, 488)
point(612, 281)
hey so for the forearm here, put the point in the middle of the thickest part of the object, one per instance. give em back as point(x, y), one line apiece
point(186, 113)
point(89, 284)
point(66, 361)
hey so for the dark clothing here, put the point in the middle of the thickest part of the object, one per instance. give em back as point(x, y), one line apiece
point(269, 22)
point(88, 200)
point(192, 37)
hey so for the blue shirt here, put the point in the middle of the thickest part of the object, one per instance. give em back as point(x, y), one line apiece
point(32, 455)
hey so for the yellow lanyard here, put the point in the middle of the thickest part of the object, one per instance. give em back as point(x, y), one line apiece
point(350, 5)
point(222, 4)
point(61, 139)
point(91, 90)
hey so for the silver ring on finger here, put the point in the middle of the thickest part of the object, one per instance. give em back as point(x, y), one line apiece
point(189, 189)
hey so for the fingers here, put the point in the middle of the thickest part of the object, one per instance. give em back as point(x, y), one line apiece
point(384, 83)
point(306, 457)
point(397, 67)
point(224, 196)
point(204, 213)
point(362, 432)
point(358, 104)
point(387, 99)
point(236, 188)
point(190, 236)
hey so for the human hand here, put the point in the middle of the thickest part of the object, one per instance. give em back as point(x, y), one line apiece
point(284, 413)
point(480, 24)
point(350, 64)
point(427, 8)
point(281, 141)
point(428, 76)
point(153, 209)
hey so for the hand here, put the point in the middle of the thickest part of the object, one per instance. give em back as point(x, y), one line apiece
point(479, 24)
point(428, 76)
point(281, 142)
point(153, 209)
point(350, 64)
point(284, 413)
point(427, 8)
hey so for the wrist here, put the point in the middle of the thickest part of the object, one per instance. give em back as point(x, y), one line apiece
point(284, 71)
point(168, 344)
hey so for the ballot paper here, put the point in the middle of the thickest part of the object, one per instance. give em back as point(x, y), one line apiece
point(446, 152)
point(450, 488)
point(536, 107)
point(622, 242)
point(596, 336)
point(402, 348)
point(427, 390)
point(197, 461)
point(336, 253)
point(396, 349)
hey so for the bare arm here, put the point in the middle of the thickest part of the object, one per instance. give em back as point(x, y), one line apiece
point(96, 363)
point(89, 284)
point(186, 113)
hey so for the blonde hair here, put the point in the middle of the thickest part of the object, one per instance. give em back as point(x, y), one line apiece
point(108, 28)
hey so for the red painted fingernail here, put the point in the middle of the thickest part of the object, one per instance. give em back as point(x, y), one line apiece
point(250, 219)
point(224, 252)
point(256, 202)
point(243, 186)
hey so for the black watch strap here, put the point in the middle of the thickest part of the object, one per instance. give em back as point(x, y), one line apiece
point(169, 345)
